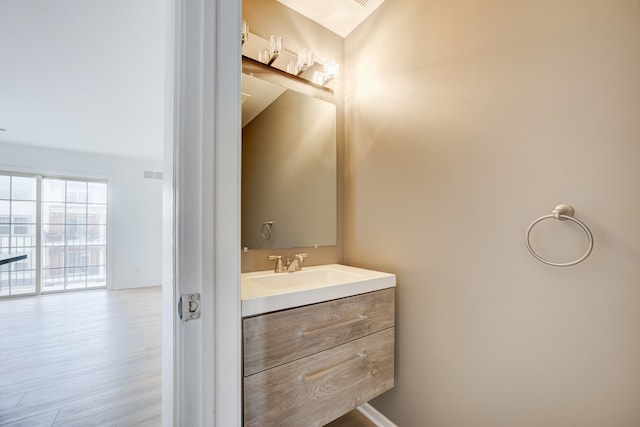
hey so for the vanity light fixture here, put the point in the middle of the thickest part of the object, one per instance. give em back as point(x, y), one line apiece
point(318, 78)
point(331, 71)
point(305, 61)
point(245, 30)
point(267, 56)
point(275, 46)
point(297, 65)
point(264, 56)
point(292, 68)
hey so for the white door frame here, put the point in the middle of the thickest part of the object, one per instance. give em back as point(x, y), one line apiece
point(201, 247)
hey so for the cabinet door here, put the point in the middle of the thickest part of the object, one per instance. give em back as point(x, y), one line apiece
point(273, 339)
point(319, 388)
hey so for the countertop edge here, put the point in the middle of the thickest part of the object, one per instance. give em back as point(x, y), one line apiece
point(266, 304)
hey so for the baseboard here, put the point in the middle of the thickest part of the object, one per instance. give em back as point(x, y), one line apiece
point(375, 416)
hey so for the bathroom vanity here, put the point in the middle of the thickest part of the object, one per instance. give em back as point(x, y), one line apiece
point(327, 347)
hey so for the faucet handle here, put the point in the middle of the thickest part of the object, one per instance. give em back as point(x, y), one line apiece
point(279, 267)
point(300, 257)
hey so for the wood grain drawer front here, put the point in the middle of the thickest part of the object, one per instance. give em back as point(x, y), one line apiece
point(276, 338)
point(319, 388)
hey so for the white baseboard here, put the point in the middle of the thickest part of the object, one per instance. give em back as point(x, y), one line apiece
point(375, 416)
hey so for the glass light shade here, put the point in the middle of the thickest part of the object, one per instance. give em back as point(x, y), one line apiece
point(305, 59)
point(331, 70)
point(245, 30)
point(292, 67)
point(319, 78)
point(275, 45)
point(264, 56)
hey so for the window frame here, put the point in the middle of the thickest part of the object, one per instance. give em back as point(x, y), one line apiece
point(41, 244)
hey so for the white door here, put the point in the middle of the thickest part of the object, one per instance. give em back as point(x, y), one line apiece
point(201, 368)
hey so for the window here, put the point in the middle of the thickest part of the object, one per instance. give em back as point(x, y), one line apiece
point(18, 220)
point(21, 229)
point(5, 227)
point(74, 234)
point(66, 243)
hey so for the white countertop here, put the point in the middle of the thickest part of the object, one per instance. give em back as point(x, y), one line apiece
point(265, 291)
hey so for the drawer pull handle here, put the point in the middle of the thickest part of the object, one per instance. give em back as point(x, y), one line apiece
point(334, 325)
point(312, 376)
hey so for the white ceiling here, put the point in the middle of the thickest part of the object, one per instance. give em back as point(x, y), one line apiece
point(257, 95)
point(84, 75)
point(88, 75)
point(339, 16)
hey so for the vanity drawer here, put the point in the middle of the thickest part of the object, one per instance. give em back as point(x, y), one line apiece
point(276, 338)
point(319, 388)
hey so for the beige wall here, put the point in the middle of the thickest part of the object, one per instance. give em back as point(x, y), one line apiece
point(268, 17)
point(467, 120)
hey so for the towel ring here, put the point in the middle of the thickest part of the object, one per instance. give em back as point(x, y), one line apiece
point(266, 230)
point(561, 212)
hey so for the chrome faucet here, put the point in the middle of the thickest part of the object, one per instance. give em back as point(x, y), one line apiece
point(296, 263)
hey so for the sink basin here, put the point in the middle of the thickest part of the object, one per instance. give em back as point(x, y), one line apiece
point(308, 277)
point(265, 291)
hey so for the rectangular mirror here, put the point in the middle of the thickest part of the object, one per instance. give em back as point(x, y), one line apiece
point(289, 172)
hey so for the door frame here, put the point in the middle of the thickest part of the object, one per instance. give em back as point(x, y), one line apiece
point(201, 211)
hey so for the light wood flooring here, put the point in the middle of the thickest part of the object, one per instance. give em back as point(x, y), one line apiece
point(90, 358)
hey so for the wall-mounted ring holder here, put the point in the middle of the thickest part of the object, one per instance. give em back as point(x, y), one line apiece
point(266, 230)
point(561, 212)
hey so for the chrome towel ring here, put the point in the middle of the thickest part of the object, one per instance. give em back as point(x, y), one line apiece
point(561, 212)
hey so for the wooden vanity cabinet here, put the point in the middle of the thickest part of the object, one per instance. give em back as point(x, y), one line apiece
point(307, 366)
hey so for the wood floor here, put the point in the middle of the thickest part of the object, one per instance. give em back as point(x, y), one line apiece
point(87, 359)
point(352, 419)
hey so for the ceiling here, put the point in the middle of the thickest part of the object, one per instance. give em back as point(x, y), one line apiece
point(83, 75)
point(88, 75)
point(339, 16)
point(257, 94)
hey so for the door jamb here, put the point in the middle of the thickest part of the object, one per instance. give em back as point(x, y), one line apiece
point(201, 358)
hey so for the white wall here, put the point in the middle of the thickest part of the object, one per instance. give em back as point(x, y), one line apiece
point(135, 205)
point(72, 67)
point(466, 121)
